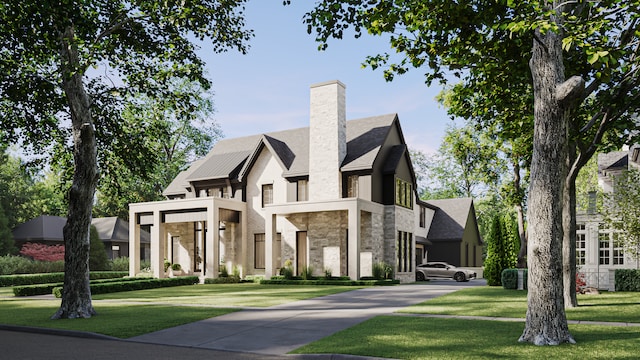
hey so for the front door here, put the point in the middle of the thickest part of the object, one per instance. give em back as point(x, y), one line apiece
point(301, 251)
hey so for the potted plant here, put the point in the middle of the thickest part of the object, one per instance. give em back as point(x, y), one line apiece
point(175, 270)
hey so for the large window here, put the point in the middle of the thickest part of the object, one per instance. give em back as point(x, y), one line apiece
point(404, 251)
point(423, 217)
point(267, 194)
point(581, 243)
point(404, 193)
point(303, 190)
point(610, 248)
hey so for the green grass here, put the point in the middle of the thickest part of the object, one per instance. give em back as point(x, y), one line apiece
point(117, 320)
point(498, 302)
point(401, 337)
point(123, 318)
point(245, 295)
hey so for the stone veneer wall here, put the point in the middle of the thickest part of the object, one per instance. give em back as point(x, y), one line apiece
point(397, 219)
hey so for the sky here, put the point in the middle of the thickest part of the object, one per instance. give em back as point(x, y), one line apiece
point(268, 89)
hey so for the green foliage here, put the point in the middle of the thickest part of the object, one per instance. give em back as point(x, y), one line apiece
point(307, 273)
point(627, 280)
point(586, 183)
point(121, 264)
point(503, 245)
point(381, 271)
point(98, 260)
point(509, 278)
point(287, 270)
point(176, 267)
point(223, 280)
point(339, 282)
point(11, 264)
point(223, 271)
point(622, 211)
point(136, 285)
point(7, 245)
point(32, 279)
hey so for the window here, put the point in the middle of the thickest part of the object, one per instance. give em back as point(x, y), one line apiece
point(404, 193)
point(267, 194)
point(303, 190)
point(581, 242)
point(259, 251)
point(423, 217)
point(404, 251)
point(618, 253)
point(603, 246)
point(352, 186)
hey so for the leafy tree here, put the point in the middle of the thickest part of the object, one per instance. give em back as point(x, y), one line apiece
point(597, 38)
point(502, 248)
point(50, 94)
point(7, 245)
point(43, 252)
point(98, 260)
point(587, 184)
point(622, 210)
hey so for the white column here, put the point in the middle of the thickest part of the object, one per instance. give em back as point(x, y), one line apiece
point(134, 244)
point(353, 243)
point(158, 240)
point(269, 237)
point(212, 243)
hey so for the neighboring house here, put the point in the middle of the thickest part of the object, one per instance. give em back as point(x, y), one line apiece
point(597, 248)
point(113, 232)
point(454, 233)
point(337, 196)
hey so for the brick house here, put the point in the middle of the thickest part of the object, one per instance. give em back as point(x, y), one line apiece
point(337, 195)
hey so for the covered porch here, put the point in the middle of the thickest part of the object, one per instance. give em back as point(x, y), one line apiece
point(199, 234)
point(345, 236)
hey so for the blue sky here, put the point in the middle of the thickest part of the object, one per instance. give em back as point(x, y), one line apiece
point(268, 89)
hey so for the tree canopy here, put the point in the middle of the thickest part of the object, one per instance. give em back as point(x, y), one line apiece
point(68, 71)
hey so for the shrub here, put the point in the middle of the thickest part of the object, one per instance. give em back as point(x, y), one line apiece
point(176, 267)
point(223, 280)
point(627, 280)
point(327, 273)
point(121, 264)
point(307, 273)
point(509, 278)
point(98, 259)
point(280, 281)
point(382, 270)
point(223, 271)
point(138, 284)
point(32, 279)
point(236, 272)
point(42, 252)
point(167, 264)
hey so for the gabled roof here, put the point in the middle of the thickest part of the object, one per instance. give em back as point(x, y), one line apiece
point(42, 228)
point(180, 183)
point(450, 218)
point(233, 157)
point(49, 228)
point(616, 160)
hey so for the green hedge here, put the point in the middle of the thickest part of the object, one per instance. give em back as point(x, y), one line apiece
point(627, 280)
point(45, 289)
point(273, 281)
point(140, 284)
point(47, 278)
point(509, 278)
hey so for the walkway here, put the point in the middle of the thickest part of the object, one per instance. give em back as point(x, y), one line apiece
point(279, 329)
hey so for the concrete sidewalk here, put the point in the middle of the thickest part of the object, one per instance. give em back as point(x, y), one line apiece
point(279, 329)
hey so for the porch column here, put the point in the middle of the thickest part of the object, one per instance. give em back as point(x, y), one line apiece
point(270, 231)
point(245, 243)
point(158, 240)
point(212, 243)
point(353, 241)
point(134, 244)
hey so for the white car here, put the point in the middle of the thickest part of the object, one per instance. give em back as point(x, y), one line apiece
point(443, 270)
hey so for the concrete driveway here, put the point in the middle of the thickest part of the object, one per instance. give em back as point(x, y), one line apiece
point(279, 329)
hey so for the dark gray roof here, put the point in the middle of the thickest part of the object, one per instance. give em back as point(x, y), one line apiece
point(364, 139)
point(49, 228)
point(450, 218)
point(42, 228)
point(179, 185)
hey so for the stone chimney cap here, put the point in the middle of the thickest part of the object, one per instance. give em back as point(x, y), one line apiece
point(330, 82)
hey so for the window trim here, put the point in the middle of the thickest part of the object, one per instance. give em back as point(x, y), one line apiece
point(264, 188)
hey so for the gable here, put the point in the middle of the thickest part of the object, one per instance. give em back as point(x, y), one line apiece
point(450, 219)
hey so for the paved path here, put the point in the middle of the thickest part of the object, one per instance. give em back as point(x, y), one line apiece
point(279, 329)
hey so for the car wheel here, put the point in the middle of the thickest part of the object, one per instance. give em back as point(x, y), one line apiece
point(420, 276)
point(459, 277)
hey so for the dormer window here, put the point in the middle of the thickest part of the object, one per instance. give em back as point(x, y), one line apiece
point(302, 190)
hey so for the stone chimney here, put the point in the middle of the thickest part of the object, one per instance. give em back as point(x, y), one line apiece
point(327, 140)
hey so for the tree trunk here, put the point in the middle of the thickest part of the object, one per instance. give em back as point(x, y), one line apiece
point(546, 322)
point(76, 294)
point(522, 254)
point(569, 239)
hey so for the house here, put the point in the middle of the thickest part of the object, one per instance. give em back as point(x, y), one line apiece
point(597, 248)
point(337, 196)
point(113, 232)
point(454, 234)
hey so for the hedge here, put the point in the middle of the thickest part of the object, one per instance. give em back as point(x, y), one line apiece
point(509, 278)
point(329, 282)
point(627, 280)
point(48, 278)
point(45, 289)
point(139, 284)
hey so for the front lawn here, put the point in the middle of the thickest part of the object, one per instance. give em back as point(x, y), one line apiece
point(132, 313)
